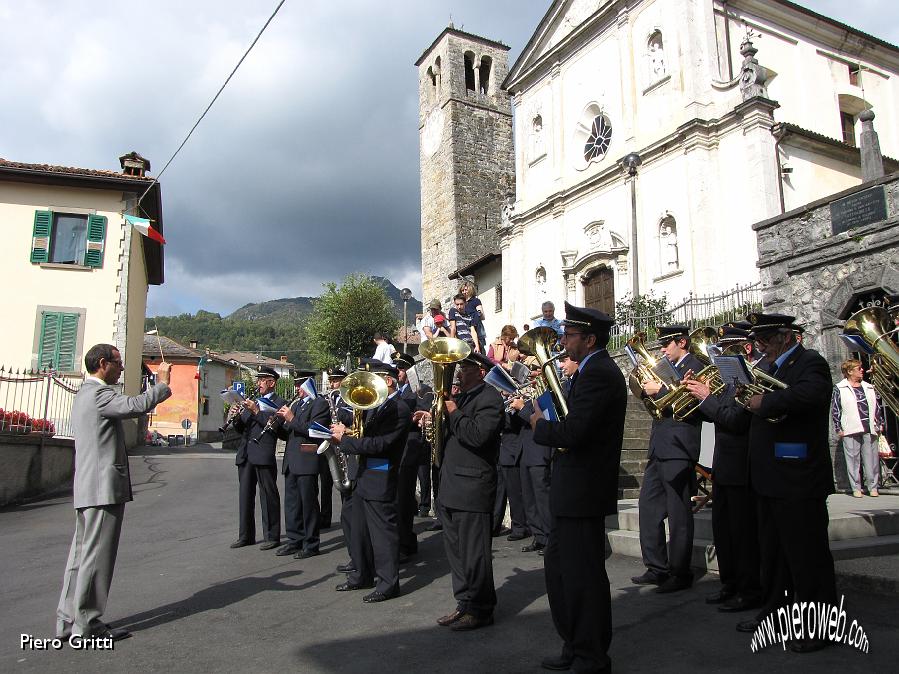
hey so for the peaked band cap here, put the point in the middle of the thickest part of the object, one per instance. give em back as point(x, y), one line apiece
point(668, 333)
point(731, 333)
point(336, 372)
point(378, 367)
point(592, 320)
point(266, 371)
point(480, 360)
point(769, 322)
point(403, 361)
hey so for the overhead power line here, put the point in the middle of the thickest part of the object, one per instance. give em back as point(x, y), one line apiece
point(211, 103)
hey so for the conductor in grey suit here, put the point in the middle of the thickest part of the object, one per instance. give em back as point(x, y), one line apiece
point(101, 489)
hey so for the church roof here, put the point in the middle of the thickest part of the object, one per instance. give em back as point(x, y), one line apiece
point(451, 30)
point(526, 57)
point(473, 266)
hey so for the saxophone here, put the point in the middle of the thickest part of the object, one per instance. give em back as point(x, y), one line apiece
point(336, 459)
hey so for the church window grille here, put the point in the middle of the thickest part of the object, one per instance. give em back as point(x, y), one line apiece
point(599, 139)
point(469, 71)
point(484, 73)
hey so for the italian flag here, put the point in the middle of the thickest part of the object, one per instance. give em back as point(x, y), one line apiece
point(143, 226)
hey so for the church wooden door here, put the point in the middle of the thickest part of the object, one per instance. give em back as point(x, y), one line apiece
point(599, 291)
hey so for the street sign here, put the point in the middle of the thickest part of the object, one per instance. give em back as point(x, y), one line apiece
point(185, 424)
point(240, 387)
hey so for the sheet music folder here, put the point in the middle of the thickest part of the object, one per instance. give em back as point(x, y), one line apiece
point(733, 369)
point(666, 371)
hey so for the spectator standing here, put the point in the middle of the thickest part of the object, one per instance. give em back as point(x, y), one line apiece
point(857, 421)
point(427, 327)
point(549, 320)
point(475, 309)
point(462, 324)
point(383, 349)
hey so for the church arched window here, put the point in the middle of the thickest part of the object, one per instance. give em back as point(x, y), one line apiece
point(669, 259)
point(469, 71)
point(597, 143)
point(484, 73)
point(592, 136)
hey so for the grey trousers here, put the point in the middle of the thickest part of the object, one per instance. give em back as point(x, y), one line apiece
point(862, 448)
point(88, 575)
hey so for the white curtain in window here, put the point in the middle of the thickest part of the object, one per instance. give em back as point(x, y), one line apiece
point(69, 239)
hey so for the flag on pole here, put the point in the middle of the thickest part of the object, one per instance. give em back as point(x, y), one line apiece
point(143, 226)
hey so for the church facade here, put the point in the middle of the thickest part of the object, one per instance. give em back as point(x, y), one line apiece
point(651, 134)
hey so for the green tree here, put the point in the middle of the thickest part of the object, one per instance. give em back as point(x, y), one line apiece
point(345, 317)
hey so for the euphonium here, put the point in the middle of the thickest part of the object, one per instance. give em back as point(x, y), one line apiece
point(682, 403)
point(444, 353)
point(762, 383)
point(337, 463)
point(874, 325)
point(643, 372)
point(539, 343)
point(362, 391)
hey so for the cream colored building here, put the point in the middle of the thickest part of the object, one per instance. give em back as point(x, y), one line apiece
point(75, 273)
point(649, 137)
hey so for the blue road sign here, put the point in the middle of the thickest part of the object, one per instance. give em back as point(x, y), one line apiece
point(240, 387)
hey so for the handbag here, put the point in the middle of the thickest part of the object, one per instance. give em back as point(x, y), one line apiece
point(883, 447)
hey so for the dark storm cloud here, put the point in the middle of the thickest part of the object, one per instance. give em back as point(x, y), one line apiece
point(305, 170)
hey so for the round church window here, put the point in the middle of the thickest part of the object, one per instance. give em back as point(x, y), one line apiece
point(599, 139)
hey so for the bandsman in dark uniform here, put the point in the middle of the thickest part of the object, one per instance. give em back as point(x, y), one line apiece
point(734, 523)
point(583, 491)
point(300, 467)
point(669, 480)
point(791, 473)
point(415, 453)
point(474, 420)
point(374, 536)
point(256, 464)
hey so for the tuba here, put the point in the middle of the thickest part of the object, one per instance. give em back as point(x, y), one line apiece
point(362, 391)
point(875, 325)
point(444, 353)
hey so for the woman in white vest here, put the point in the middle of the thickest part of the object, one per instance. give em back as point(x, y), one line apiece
point(857, 420)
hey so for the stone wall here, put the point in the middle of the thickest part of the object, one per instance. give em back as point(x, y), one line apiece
point(28, 469)
point(822, 278)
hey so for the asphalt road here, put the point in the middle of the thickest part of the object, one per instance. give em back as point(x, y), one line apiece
point(196, 605)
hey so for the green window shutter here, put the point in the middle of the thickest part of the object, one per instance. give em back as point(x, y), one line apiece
point(58, 342)
point(96, 240)
point(68, 341)
point(49, 338)
point(40, 236)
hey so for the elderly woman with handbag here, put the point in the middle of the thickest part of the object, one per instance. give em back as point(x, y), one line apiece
point(857, 421)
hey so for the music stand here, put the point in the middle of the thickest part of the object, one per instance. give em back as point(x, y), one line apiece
point(733, 370)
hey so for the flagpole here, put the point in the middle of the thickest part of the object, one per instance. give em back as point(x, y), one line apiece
point(159, 343)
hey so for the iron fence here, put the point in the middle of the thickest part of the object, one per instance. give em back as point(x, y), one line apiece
point(37, 402)
point(695, 311)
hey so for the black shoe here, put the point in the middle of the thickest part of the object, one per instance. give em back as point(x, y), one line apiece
point(541, 551)
point(346, 568)
point(719, 597)
point(515, 537)
point(240, 543)
point(533, 547)
point(404, 558)
point(306, 554)
point(557, 664)
point(502, 531)
point(674, 584)
point(469, 621)
point(650, 578)
point(808, 645)
point(748, 626)
point(114, 633)
point(270, 545)
point(348, 586)
point(376, 597)
point(424, 512)
point(288, 549)
point(450, 618)
point(739, 603)
point(324, 524)
point(437, 526)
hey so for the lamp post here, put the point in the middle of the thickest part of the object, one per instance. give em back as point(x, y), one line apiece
point(632, 161)
point(406, 294)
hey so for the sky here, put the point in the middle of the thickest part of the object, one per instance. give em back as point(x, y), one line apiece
point(305, 169)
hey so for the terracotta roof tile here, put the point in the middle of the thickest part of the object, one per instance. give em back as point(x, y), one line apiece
point(70, 170)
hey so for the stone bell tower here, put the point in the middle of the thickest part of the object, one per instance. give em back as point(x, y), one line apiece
point(466, 154)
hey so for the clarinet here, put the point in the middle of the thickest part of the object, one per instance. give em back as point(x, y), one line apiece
point(274, 422)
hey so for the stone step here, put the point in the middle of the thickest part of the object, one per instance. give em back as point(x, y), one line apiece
point(640, 444)
point(633, 454)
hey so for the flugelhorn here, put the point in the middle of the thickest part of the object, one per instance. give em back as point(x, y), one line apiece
point(362, 391)
point(444, 353)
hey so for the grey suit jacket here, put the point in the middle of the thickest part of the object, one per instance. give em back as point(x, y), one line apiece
point(101, 463)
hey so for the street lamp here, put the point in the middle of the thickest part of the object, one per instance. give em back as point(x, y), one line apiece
point(632, 161)
point(406, 294)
